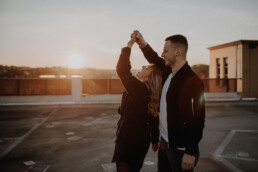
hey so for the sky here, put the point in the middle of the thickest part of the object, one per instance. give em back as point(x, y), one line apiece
point(84, 33)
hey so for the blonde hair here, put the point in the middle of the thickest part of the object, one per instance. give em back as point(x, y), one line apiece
point(154, 85)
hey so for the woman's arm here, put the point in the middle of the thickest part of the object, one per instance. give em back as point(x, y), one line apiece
point(131, 84)
point(154, 128)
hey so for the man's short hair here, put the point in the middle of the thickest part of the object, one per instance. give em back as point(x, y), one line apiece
point(178, 39)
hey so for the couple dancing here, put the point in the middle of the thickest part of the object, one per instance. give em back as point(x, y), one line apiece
point(163, 104)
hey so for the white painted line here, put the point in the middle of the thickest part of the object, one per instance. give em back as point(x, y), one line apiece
point(46, 169)
point(149, 163)
point(240, 158)
point(29, 163)
point(20, 139)
point(249, 99)
point(50, 126)
point(224, 143)
point(74, 138)
point(230, 166)
point(56, 123)
point(87, 124)
point(246, 131)
point(69, 133)
point(29, 169)
point(218, 153)
point(110, 167)
point(38, 168)
point(243, 154)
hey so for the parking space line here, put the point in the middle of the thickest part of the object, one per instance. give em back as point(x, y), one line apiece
point(217, 154)
point(243, 159)
point(247, 131)
point(46, 168)
point(29, 169)
point(224, 143)
point(20, 139)
point(229, 165)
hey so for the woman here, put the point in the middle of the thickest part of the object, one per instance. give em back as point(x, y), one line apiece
point(138, 123)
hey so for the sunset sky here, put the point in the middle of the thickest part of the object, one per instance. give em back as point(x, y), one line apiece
point(84, 33)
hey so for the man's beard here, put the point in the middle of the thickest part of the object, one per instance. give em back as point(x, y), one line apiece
point(170, 63)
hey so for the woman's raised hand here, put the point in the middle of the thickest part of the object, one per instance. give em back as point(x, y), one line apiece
point(132, 41)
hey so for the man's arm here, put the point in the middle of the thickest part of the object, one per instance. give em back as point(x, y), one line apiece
point(148, 52)
point(197, 123)
point(198, 116)
point(152, 57)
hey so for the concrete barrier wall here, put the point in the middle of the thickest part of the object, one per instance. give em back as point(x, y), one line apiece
point(29, 87)
point(102, 86)
point(82, 91)
point(11, 87)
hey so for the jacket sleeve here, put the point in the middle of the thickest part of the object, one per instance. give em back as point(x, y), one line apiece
point(123, 68)
point(154, 126)
point(198, 117)
point(152, 57)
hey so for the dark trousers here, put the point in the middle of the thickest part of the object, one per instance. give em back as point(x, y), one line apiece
point(170, 159)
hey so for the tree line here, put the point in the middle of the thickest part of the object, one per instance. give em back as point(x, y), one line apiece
point(35, 72)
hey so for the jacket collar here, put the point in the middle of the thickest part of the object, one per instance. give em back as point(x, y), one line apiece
point(182, 70)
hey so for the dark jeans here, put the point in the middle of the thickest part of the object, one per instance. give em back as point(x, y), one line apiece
point(170, 159)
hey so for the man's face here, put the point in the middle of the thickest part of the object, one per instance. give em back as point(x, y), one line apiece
point(169, 53)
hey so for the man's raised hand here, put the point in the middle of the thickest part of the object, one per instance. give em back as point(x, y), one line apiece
point(139, 39)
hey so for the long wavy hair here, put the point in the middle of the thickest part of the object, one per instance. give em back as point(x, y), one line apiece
point(154, 85)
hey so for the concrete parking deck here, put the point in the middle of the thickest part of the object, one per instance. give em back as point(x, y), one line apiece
point(81, 138)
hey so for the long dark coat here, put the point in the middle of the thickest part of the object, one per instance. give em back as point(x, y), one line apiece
point(136, 127)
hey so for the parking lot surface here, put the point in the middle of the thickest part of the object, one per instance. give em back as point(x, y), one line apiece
point(80, 138)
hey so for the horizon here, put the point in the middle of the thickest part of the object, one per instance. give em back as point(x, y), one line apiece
point(77, 68)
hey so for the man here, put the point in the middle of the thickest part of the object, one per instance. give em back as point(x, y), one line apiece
point(182, 109)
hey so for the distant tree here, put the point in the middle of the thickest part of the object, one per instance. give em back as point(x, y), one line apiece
point(201, 70)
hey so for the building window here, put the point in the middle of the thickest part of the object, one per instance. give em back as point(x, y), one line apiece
point(218, 68)
point(225, 62)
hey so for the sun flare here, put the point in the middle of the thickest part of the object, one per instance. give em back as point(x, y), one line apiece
point(75, 61)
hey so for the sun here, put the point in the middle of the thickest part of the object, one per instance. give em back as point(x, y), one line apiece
point(75, 61)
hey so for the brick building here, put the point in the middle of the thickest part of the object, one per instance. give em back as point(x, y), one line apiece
point(235, 64)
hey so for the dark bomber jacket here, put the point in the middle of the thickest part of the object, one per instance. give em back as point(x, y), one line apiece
point(185, 104)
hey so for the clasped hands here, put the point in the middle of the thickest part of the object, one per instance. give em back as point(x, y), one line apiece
point(137, 37)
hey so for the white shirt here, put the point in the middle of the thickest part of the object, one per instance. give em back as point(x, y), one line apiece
point(163, 109)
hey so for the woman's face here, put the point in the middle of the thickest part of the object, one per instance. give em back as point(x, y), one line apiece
point(145, 72)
